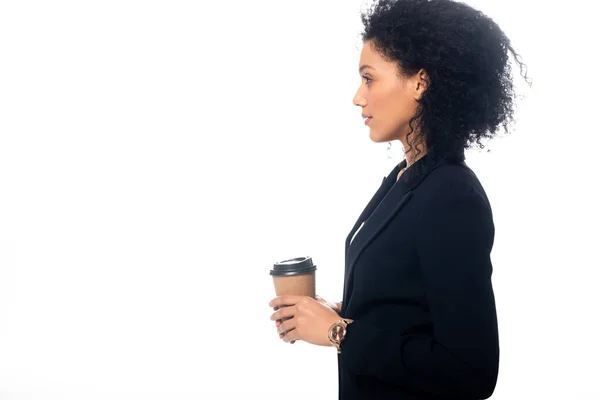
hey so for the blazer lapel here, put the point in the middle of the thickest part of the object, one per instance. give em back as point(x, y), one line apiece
point(375, 200)
point(392, 203)
point(389, 200)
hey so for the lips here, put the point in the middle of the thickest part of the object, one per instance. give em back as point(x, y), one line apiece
point(367, 118)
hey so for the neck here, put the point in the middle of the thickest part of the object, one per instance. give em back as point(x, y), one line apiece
point(411, 156)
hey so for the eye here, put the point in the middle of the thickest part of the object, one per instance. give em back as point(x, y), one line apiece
point(368, 80)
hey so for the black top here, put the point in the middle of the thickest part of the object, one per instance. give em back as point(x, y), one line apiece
point(418, 285)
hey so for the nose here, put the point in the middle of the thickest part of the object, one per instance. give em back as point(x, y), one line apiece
point(359, 100)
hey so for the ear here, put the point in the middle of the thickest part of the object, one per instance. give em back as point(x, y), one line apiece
point(421, 83)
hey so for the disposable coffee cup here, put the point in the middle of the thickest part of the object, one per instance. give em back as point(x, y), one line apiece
point(295, 276)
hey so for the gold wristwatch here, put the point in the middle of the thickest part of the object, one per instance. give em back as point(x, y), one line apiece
point(337, 333)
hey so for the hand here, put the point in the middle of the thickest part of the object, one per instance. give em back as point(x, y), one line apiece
point(278, 323)
point(337, 307)
point(303, 318)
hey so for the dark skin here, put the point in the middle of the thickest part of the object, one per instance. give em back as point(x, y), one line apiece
point(334, 306)
point(390, 99)
point(303, 318)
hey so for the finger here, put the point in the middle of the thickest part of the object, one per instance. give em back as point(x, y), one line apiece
point(280, 321)
point(285, 300)
point(291, 336)
point(283, 313)
point(277, 324)
point(287, 326)
point(326, 303)
point(281, 335)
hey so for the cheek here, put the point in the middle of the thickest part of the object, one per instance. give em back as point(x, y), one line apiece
point(403, 108)
point(395, 113)
point(387, 101)
point(391, 108)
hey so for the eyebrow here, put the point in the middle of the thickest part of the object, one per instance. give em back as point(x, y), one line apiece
point(364, 67)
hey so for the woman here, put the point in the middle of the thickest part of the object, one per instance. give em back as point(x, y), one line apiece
point(418, 317)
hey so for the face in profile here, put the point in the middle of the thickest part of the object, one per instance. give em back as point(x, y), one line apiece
point(387, 97)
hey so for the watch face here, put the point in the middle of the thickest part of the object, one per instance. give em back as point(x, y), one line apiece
point(337, 332)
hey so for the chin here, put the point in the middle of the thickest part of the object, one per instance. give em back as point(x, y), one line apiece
point(378, 138)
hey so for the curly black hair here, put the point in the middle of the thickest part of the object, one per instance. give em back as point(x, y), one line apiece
point(470, 92)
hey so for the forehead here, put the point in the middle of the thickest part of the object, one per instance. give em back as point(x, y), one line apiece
point(368, 49)
point(368, 53)
point(369, 56)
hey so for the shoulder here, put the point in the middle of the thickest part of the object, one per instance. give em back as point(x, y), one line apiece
point(451, 183)
point(452, 205)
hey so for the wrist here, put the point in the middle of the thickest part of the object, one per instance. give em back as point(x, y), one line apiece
point(337, 332)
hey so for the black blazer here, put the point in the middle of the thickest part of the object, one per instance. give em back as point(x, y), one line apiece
point(418, 285)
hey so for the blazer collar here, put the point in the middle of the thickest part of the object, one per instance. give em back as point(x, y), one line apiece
point(389, 199)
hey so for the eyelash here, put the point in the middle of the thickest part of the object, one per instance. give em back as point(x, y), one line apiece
point(368, 79)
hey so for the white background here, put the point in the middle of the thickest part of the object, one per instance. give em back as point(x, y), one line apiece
point(157, 157)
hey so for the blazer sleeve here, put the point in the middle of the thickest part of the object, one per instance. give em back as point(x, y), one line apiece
point(460, 357)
